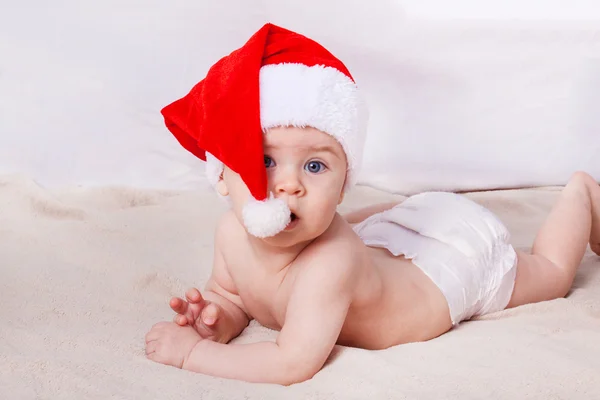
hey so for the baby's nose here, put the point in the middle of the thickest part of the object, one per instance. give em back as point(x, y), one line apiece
point(290, 185)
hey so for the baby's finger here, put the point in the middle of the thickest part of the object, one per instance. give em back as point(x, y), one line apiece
point(210, 314)
point(151, 347)
point(180, 320)
point(193, 296)
point(178, 305)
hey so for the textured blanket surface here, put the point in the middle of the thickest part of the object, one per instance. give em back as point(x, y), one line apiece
point(84, 273)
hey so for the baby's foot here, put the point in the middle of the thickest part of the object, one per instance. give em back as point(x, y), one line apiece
point(595, 234)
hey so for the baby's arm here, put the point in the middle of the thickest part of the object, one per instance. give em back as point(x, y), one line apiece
point(315, 315)
point(218, 313)
point(232, 317)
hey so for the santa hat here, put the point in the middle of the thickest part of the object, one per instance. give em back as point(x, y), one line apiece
point(278, 78)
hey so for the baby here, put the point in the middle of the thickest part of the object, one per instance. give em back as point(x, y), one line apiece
point(281, 126)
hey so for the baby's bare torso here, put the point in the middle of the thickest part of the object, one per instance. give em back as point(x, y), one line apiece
point(390, 294)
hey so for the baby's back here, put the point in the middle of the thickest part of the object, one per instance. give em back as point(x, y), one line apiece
point(409, 306)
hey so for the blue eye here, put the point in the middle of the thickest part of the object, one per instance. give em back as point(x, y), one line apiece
point(269, 162)
point(314, 167)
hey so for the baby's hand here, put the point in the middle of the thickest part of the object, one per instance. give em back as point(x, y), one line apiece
point(170, 344)
point(201, 314)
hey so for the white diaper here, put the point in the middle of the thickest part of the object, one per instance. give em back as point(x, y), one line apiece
point(460, 245)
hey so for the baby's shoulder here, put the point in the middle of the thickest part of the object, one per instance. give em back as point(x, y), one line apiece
point(333, 261)
point(229, 234)
point(227, 225)
point(339, 245)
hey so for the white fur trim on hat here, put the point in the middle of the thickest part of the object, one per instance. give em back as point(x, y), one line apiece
point(266, 218)
point(320, 97)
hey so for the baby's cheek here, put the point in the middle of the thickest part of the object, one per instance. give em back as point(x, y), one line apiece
point(326, 210)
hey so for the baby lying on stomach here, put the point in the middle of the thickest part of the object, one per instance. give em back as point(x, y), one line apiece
point(380, 276)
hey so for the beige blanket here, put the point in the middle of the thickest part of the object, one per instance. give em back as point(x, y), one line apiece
point(84, 273)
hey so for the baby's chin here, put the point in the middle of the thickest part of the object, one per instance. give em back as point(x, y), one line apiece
point(291, 238)
point(299, 232)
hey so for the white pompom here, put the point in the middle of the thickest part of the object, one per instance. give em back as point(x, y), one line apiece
point(266, 218)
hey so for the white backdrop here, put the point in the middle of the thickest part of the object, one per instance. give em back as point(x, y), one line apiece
point(477, 95)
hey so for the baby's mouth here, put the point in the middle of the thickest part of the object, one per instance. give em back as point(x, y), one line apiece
point(293, 221)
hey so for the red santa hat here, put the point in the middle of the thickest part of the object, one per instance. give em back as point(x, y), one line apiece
point(278, 78)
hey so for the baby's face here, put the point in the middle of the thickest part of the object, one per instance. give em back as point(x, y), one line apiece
point(307, 169)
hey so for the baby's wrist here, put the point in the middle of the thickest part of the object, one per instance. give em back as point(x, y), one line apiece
point(187, 362)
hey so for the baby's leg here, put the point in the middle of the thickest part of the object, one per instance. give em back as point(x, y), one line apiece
point(548, 272)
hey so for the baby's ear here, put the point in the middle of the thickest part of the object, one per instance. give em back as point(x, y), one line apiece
point(222, 186)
